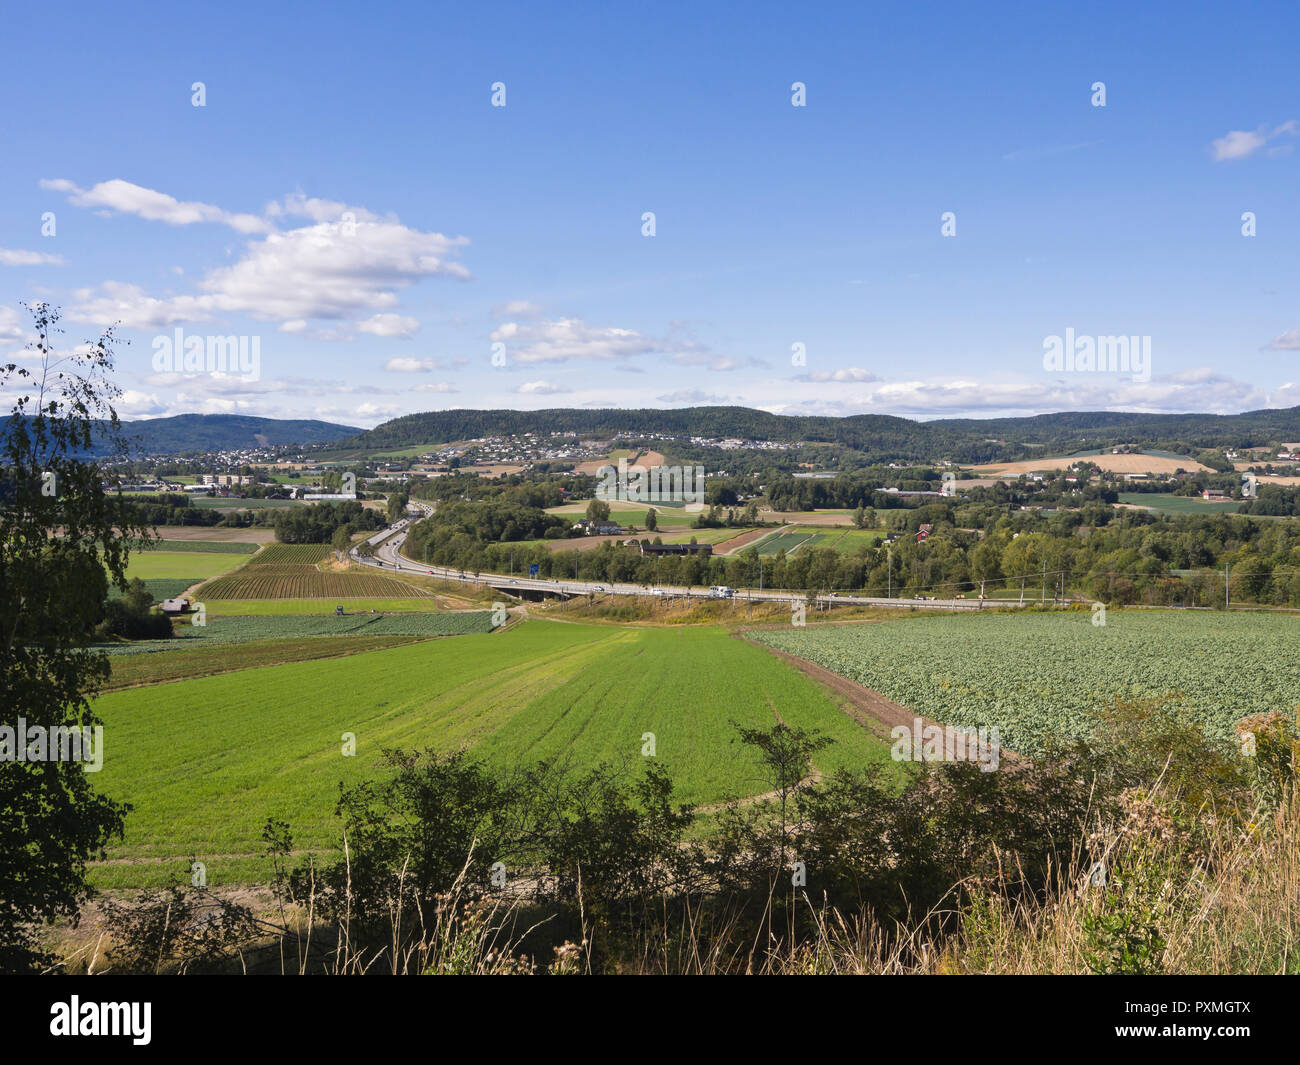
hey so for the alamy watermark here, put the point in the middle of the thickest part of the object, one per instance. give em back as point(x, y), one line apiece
point(235, 355)
point(920, 742)
point(658, 484)
point(1088, 354)
point(62, 743)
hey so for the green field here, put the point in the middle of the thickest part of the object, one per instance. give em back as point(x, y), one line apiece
point(219, 547)
point(205, 761)
point(1038, 676)
point(160, 587)
point(1167, 503)
point(235, 503)
point(194, 565)
point(845, 542)
point(273, 607)
point(786, 540)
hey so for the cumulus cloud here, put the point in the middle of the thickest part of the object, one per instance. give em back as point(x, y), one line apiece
point(389, 325)
point(540, 388)
point(345, 261)
point(565, 339)
point(1240, 143)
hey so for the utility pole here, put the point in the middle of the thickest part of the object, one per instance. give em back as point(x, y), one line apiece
point(889, 555)
point(1042, 596)
point(1227, 588)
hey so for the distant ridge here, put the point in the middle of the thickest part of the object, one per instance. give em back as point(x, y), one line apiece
point(961, 439)
point(226, 432)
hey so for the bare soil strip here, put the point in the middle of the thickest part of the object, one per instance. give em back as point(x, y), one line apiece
point(876, 713)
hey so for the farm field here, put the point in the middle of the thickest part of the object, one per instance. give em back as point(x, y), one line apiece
point(203, 533)
point(161, 587)
point(1147, 462)
point(845, 542)
point(1167, 503)
point(235, 503)
point(1039, 676)
point(204, 547)
point(786, 540)
point(808, 517)
point(266, 741)
point(277, 607)
point(194, 565)
point(290, 571)
point(190, 660)
point(325, 626)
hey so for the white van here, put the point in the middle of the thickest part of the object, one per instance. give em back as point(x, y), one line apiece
point(721, 591)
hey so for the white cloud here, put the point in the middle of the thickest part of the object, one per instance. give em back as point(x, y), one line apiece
point(347, 261)
point(540, 388)
point(564, 339)
point(17, 257)
point(1288, 341)
point(848, 373)
point(406, 365)
point(123, 197)
point(1240, 143)
point(11, 324)
point(691, 395)
point(437, 386)
point(389, 325)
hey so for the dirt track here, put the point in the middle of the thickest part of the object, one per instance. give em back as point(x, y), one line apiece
point(872, 710)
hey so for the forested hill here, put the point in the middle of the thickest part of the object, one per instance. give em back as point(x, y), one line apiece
point(964, 440)
point(223, 432)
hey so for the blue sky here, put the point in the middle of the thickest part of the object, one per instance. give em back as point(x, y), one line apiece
point(349, 196)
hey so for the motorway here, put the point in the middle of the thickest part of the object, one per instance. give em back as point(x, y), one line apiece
point(387, 547)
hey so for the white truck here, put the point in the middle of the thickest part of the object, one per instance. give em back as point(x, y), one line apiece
point(721, 591)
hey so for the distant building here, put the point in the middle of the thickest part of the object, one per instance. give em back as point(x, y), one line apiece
point(598, 528)
point(1214, 493)
point(174, 606)
point(675, 549)
point(923, 533)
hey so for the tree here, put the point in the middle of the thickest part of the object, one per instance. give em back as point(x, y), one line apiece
point(651, 521)
point(598, 510)
point(64, 539)
point(786, 754)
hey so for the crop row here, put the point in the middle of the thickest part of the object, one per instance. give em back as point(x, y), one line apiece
point(306, 583)
point(1044, 676)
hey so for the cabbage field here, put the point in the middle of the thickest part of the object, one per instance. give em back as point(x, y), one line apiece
point(1042, 675)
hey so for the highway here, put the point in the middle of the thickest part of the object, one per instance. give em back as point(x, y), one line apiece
point(387, 546)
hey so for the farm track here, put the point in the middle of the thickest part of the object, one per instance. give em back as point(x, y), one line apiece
point(869, 708)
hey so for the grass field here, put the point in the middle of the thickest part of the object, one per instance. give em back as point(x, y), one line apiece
point(235, 503)
point(267, 741)
point(189, 661)
point(845, 542)
point(1167, 503)
point(195, 565)
point(1038, 676)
